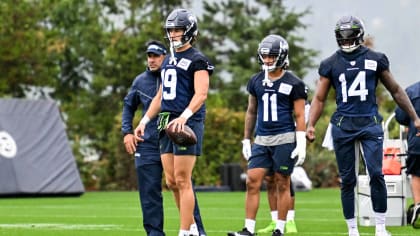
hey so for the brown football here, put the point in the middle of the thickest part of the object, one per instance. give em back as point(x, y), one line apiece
point(183, 138)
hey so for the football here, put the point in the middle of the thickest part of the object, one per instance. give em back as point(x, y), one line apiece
point(183, 138)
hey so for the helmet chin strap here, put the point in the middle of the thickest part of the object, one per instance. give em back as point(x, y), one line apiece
point(266, 81)
point(171, 50)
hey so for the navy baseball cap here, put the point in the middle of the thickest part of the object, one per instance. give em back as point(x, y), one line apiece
point(156, 48)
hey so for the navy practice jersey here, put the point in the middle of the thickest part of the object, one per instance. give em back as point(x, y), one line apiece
point(413, 93)
point(178, 81)
point(355, 77)
point(143, 89)
point(275, 103)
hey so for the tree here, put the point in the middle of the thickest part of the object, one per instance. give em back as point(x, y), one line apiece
point(231, 31)
point(26, 52)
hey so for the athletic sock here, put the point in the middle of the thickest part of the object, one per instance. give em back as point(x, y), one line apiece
point(274, 215)
point(290, 215)
point(183, 232)
point(280, 225)
point(250, 225)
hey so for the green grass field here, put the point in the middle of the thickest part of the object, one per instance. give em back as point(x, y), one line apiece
point(318, 212)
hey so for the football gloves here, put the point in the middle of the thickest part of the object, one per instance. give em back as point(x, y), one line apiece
point(300, 150)
point(246, 148)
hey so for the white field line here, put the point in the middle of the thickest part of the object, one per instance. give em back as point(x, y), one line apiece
point(61, 226)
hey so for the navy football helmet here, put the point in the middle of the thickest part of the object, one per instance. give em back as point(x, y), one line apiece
point(182, 19)
point(349, 32)
point(274, 45)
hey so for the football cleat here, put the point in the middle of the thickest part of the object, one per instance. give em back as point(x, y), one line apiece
point(410, 210)
point(290, 227)
point(270, 228)
point(243, 232)
point(382, 233)
point(415, 219)
point(277, 232)
point(354, 233)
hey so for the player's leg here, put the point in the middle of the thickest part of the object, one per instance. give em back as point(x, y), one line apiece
point(167, 160)
point(283, 168)
point(184, 161)
point(258, 164)
point(290, 218)
point(283, 199)
point(344, 148)
point(253, 184)
point(183, 166)
point(149, 179)
point(413, 169)
point(372, 147)
point(272, 203)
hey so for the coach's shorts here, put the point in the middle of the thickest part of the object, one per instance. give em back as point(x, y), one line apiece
point(274, 158)
point(167, 146)
point(413, 165)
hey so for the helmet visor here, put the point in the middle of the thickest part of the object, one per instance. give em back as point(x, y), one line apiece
point(347, 34)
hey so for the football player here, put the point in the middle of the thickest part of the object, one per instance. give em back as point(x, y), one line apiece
point(354, 71)
point(272, 196)
point(276, 107)
point(413, 160)
point(147, 155)
point(180, 99)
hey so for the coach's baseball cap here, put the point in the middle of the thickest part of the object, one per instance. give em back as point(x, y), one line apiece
point(156, 47)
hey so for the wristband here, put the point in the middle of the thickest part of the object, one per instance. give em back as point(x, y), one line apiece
point(144, 120)
point(187, 113)
point(300, 137)
point(246, 141)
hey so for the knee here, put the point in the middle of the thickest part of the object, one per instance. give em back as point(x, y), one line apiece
point(171, 184)
point(283, 186)
point(348, 183)
point(183, 183)
point(253, 184)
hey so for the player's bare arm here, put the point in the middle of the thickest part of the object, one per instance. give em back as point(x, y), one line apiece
point(400, 97)
point(299, 110)
point(152, 112)
point(317, 105)
point(201, 88)
point(250, 117)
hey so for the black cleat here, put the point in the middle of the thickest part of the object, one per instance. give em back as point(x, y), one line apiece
point(415, 219)
point(243, 232)
point(277, 232)
point(410, 210)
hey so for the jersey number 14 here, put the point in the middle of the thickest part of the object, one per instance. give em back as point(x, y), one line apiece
point(357, 88)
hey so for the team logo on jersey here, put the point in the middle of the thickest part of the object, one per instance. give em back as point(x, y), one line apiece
point(285, 88)
point(184, 64)
point(352, 63)
point(371, 65)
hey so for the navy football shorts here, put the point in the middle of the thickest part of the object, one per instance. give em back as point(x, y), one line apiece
point(167, 146)
point(273, 158)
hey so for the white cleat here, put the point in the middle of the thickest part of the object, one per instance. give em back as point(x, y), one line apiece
point(382, 233)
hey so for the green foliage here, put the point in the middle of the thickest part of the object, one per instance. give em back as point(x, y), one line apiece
point(222, 144)
point(230, 37)
point(26, 52)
